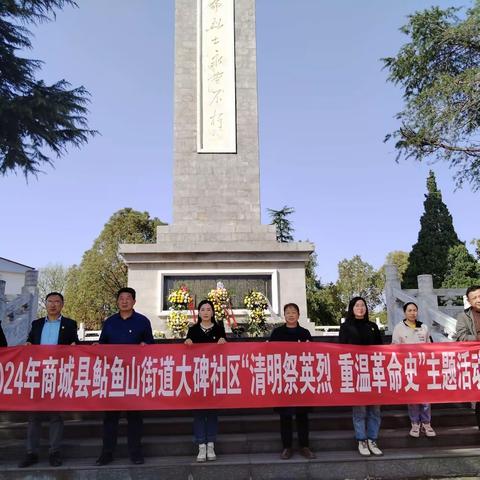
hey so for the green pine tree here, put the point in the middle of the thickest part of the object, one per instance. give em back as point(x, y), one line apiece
point(282, 223)
point(435, 239)
point(38, 121)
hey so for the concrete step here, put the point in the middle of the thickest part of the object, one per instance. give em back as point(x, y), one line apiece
point(92, 415)
point(396, 464)
point(244, 423)
point(248, 443)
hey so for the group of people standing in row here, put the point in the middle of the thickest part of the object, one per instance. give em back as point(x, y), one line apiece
point(130, 327)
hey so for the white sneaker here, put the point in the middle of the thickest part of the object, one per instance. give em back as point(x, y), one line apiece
point(373, 447)
point(415, 430)
point(429, 431)
point(363, 448)
point(211, 451)
point(202, 453)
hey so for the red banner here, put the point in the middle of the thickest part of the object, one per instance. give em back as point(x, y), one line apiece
point(235, 375)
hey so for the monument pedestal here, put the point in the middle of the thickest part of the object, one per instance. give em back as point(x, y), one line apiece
point(202, 254)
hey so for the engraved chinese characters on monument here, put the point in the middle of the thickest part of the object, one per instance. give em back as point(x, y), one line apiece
point(216, 131)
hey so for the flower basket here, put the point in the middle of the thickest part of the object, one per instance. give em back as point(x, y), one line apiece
point(256, 303)
point(221, 302)
point(177, 320)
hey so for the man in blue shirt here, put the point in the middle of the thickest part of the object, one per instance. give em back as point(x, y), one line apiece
point(54, 329)
point(127, 327)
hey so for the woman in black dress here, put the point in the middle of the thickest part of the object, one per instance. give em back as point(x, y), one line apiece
point(293, 332)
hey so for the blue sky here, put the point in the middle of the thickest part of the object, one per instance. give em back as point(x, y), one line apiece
point(324, 108)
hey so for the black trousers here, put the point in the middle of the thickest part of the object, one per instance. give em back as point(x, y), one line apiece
point(134, 431)
point(286, 429)
point(34, 430)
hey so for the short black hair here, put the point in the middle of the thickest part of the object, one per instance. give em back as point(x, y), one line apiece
point(129, 290)
point(472, 289)
point(51, 294)
point(293, 305)
point(409, 303)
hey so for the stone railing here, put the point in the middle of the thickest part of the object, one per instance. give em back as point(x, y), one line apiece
point(327, 330)
point(437, 308)
point(18, 314)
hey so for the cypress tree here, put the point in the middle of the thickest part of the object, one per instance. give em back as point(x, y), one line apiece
point(435, 239)
point(463, 269)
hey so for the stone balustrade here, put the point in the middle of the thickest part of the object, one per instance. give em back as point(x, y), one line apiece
point(437, 307)
point(18, 314)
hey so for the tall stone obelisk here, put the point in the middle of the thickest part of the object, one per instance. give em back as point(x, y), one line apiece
point(216, 170)
point(216, 205)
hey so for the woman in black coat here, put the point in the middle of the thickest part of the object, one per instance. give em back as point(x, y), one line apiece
point(359, 330)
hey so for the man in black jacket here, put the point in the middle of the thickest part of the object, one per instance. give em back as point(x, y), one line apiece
point(54, 329)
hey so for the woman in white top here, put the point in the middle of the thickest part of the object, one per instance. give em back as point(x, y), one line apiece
point(410, 330)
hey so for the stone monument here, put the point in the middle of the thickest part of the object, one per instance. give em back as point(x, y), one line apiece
point(216, 232)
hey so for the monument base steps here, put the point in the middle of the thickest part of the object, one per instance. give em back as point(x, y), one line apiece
point(248, 448)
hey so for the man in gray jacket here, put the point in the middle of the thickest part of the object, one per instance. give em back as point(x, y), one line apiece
point(468, 322)
point(468, 326)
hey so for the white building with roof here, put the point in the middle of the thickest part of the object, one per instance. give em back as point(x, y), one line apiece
point(13, 273)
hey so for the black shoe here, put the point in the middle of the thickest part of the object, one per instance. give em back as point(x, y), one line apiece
point(55, 459)
point(29, 460)
point(104, 459)
point(137, 459)
point(286, 453)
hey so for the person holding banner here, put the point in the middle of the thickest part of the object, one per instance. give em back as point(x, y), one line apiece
point(468, 326)
point(359, 330)
point(291, 331)
point(205, 422)
point(468, 322)
point(54, 329)
point(127, 327)
point(410, 330)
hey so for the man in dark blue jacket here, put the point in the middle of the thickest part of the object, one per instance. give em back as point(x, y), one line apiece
point(54, 329)
point(127, 327)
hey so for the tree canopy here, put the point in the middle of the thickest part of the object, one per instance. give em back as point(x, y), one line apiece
point(439, 71)
point(36, 119)
point(356, 277)
point(462, 268)
point(51, 278)
point(435, 239)
point(90, 293)
point(398, 258)
point(324, 305)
